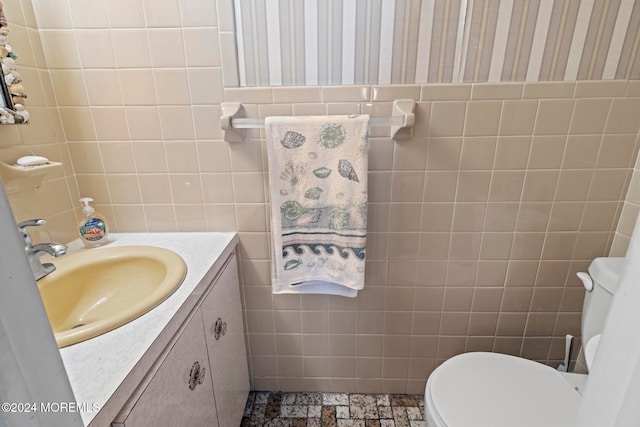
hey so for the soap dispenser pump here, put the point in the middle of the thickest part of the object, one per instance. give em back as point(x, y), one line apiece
point(93, 228)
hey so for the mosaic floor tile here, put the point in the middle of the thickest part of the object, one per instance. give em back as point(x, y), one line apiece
point(293, 411)
point(342, 412)
point(277, 409)
point(335, 399)
point(363, 406)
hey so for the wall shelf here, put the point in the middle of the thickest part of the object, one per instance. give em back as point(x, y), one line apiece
point(24, 178)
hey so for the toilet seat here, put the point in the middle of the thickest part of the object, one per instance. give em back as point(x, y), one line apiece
point(491, 389)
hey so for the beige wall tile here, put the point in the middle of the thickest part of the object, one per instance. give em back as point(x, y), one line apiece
point(440, 186)
point(171, 86)
point(130, 218)
point(186, 188)
point(566, 216)
point(133, 18)
point(205, 85)
point(103, 87)
point(444, 153)
point(69, 86)
point(521, 273)
point(468, 216)
point(393, 92)
point(573, 184)
point(599, 216)
point(473, 186)
point(201, 47)
point(77, 124)
point(496, 91)
point(478, 153)
point(501, 216)
point(554, 117)
point(182, 156)
point(539, 185)
point(445, 92)
point(617, 151)
point(60, 49)
point(155, 188)
point(621, 116)
point(117, 157)
point(166, 47)
point(533, 216)
point(409, 156)
point(546, 152)
point(512, 152)
point(527, 246)
point(506, 186)
point(346, 94)
point(604, 89)
point(94, 186)
point(589, 116)
point(483, 118)
point(492, 273)
point(190, 218)
point(132, 46)
point(495, 246)
point(86, 157)
point(96, 48)
point(124, 189)
point(548, 89)
point(218, 188)
point(581, 151)
point(447, 118)
point(518, 117)
point(607, 184)
point(465, 245)
point(110, 123)
point(407, 186)
point(176, 122)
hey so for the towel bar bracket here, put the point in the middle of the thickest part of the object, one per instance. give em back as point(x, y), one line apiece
point(401, 122)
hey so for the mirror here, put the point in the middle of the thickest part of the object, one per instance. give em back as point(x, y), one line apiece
point(12, 95)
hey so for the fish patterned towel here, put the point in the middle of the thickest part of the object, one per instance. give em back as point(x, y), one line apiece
point(318, 177)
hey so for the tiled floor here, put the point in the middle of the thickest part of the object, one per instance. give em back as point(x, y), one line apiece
point(333, 410)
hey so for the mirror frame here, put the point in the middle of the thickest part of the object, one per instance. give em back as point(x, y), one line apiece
point(12, 97)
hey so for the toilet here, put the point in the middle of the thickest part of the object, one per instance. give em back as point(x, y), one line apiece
point(492, 389)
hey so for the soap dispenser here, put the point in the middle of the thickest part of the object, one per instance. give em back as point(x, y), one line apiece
point(93, 228)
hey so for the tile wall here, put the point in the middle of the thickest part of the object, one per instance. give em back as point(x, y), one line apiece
point(477, 223)
point(477, 226)
point(55, 198)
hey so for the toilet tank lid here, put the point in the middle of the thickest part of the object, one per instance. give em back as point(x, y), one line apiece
point(606, 272)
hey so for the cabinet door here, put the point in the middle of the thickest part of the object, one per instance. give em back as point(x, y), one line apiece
point(169, 399)
point(227, 352)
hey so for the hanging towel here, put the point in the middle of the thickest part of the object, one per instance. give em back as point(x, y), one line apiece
point(318, 177)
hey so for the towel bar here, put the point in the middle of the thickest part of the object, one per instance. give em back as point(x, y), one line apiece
point(401, 122)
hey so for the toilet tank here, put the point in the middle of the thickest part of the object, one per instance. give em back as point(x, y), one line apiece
point(601, 284)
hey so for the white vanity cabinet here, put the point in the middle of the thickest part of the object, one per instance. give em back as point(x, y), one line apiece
point(201, 378)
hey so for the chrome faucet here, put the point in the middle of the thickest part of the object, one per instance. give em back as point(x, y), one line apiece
point(34, 252)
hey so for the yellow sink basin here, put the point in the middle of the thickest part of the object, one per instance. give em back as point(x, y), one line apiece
point(95, 291)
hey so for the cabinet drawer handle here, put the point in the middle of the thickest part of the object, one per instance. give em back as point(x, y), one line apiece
point(196, 376)
point(219, 329)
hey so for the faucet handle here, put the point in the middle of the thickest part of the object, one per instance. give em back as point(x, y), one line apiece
point(29, 223)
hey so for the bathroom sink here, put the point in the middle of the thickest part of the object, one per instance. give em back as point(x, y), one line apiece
point(95, 291)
